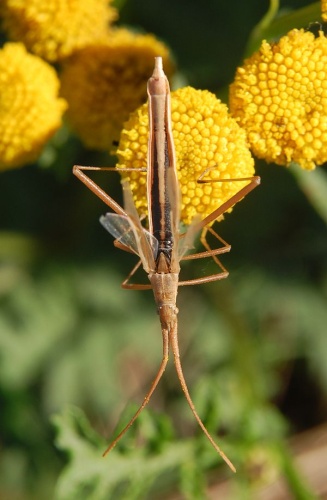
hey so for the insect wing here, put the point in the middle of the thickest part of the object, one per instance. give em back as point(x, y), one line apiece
point(186, 242)
point(120, 227)
point(147, 244)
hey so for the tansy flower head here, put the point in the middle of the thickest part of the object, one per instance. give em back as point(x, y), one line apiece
point(205, 136)
point(30, 111)
point(53, 29)
point(103, 83)
point(324, 10)
point(279, 97)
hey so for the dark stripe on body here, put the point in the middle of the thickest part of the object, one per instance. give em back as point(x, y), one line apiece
point(161, 211)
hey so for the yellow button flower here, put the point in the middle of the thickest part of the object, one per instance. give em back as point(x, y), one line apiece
point(104, 82)
point(279, 97)
point(324, 10)
point(30, 111)
point(205, 136)
point(53, 29)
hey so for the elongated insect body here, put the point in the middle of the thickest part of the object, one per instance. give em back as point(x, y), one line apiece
point(163, 197)
point(162, 183)
point(163, 204)
point(165, 286)
point(161, 246)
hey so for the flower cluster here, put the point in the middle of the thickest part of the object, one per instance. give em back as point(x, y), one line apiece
point(279, 96)
point(205, 136)
point(103, 72)
point(53, 29)
point(105, 81)
point(30, 110)
point(324, 10)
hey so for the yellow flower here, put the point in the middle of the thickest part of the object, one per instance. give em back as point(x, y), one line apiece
point(104, 82)
point(279, 97)
point(30, 111)
point(53, 29)
point(324, 10)
point(205, 136)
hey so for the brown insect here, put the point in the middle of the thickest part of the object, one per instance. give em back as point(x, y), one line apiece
point(161, 247)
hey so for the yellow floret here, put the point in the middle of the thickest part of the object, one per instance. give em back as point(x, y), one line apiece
point(279, 97)
point(103, 83)
point(30, 110)
point(324, 10)
point(205, 136)
point(53, 29)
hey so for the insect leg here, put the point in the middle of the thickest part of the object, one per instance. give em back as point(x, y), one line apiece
point(135, 286)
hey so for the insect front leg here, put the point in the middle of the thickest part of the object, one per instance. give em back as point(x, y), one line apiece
point(205, 226)
point(78, 170)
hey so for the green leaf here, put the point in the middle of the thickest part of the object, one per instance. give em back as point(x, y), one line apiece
point(89, 475)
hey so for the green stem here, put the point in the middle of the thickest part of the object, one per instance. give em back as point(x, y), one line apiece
point(297, 484)
point(314, 186)
point(272, 27)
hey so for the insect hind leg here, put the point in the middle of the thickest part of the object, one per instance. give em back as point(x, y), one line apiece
point(135, 286)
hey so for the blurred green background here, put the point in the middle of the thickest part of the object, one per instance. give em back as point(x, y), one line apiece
point(254, 347)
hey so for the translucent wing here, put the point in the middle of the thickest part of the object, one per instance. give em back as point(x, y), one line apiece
point(119, 227)
point(147, 244)
point(186, 242)
point(126, 232)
